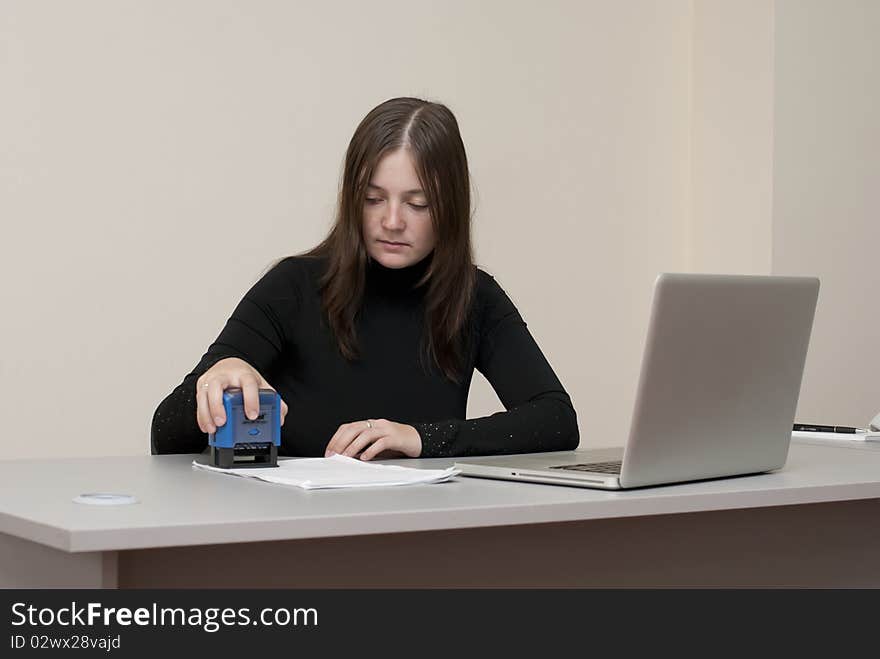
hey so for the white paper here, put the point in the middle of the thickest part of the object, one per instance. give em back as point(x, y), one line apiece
point(336, 471)
point(838, 436)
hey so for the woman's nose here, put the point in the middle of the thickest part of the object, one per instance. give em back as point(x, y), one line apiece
point(392, 219)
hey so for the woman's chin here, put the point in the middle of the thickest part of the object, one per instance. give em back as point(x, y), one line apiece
point(393, 260)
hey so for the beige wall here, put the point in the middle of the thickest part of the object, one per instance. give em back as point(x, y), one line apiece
point(161, 154)
point(827, 194)
point(731, 183)
point(156, 156)
point(785, 144)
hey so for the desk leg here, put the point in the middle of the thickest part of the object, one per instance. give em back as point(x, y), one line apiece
point(26, 564)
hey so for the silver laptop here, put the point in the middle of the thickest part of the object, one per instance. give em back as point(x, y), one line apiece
point(719, 385)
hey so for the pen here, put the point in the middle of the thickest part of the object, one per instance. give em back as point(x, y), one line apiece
point(812, 427)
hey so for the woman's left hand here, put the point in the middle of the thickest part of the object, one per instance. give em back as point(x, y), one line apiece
point(374, 436)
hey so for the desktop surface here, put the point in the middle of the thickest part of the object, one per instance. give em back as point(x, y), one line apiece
point(179, 506)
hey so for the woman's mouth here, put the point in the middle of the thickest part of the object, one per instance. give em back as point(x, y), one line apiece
point(391, 246)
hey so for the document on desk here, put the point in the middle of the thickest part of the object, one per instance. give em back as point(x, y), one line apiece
point(848, 437)
point(336, 472)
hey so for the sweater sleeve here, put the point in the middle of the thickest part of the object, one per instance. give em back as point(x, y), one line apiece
point(254, 333)
point(539, 414)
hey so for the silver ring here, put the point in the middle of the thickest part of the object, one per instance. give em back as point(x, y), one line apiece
point(205, 385)
point(369, 424)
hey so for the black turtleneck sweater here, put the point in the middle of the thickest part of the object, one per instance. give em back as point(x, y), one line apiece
point(277, 328)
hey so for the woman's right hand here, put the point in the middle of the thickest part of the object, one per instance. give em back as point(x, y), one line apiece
point(229, 372)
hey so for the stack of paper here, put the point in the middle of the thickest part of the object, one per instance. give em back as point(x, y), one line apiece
point(838, 436)
point(336, 471)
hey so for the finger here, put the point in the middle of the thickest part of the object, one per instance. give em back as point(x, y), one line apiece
point(375, 448)
point(250, 389)
point(202, 415)
point(331, 445)
point(216, 411)
point(350, 432)
point(266, 385)
point(204, 409)
point(336, 440)
point(363, 439)
point(344, 436)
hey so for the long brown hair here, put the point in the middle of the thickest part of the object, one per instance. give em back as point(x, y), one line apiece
point(430, 132)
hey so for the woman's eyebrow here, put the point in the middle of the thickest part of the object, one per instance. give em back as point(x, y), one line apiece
point(410, 192)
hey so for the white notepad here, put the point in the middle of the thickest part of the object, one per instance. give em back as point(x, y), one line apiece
point(838, 436)
point(336, 471)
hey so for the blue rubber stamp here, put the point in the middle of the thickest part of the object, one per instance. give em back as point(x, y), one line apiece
point(244, 442)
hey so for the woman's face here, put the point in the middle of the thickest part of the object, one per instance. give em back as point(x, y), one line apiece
point(397, 222)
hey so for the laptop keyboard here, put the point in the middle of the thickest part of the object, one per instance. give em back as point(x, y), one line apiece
point(600, 467)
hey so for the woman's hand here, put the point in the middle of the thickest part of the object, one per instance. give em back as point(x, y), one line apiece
point(229, 372)
point(375, 436)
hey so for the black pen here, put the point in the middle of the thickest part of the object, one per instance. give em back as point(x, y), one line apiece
point(808, 427)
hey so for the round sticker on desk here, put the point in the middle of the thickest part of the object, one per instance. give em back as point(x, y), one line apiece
point(105, 499)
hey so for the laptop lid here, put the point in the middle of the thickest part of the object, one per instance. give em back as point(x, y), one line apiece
point(718, 389)
point(721, 376)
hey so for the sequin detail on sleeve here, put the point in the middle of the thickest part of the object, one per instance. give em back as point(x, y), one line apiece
point(546, 424)
point(437, 438)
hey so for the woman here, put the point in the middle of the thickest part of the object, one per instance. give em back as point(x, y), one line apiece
point(371, 337)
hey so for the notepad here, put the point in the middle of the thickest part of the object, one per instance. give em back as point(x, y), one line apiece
point(838, 436)
point(337, 471)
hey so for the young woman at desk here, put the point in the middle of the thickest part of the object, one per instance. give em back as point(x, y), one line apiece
point(371, 337)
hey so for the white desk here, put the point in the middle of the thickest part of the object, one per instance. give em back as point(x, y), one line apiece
point(814, 523)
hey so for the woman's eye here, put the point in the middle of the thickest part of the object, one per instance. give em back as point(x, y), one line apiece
point(419, 207)
point(373, 200)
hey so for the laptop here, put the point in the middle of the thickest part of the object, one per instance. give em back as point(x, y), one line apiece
point(717, 393)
